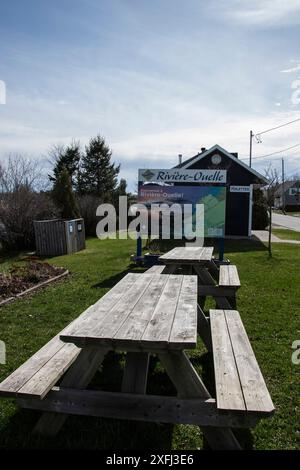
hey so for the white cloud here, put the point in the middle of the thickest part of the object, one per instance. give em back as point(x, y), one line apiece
point(262, 12)
point(162, 91)
point(291, 70)
point(232, 133)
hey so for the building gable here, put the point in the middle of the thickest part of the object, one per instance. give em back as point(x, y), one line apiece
point(237, 171)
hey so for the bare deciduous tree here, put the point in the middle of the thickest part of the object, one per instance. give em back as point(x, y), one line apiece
point(18, 171)
point(270, 191)
point(21, 201)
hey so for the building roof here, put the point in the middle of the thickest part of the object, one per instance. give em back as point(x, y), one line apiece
point(286, 185)
point(187, 163)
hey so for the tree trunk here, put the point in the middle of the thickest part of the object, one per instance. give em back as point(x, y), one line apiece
point(270, 232)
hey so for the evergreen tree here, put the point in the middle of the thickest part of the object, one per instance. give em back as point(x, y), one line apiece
point(63, 196)
point(67, 158)
point(121, 190)
point(259, 211)
point(98, 173)
point(122, 187)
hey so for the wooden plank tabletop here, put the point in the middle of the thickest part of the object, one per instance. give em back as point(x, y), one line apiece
point(143, 311)
point(188, 255)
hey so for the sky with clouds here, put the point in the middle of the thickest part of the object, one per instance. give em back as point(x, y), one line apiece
point(154, 78)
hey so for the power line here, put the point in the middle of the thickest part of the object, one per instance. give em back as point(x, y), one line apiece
point(259, 141)
point(274, 153)
point(277, 127)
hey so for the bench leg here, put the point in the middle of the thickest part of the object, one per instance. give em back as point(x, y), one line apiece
point(213, 270)
point(226, 303)
point(169, 269)
point(203, 328)
point(204, 275)
point(232, 301)
point(205, 279)
point(190, 385)
point(135, 373)
point(78, 376)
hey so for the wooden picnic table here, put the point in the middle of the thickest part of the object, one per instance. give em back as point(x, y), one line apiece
point(199, 260)
point(146, 314)
point(220, 282)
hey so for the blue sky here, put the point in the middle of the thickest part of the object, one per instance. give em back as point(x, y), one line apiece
point(155, 78)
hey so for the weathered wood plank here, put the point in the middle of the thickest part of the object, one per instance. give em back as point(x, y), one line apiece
point(228, 388)
point(83, 326)
point(78, 376)
point(159, 327)
point(157, 269)
point(223, 303)
point(213, 269)
point(204, 328)
point(229, 276)
point(256, 394)
point(149, 408)
point(184, 326)
point(204, 275)
point(189, 385)
point(187, 255)
point(117, 316)
point(216, 291)
point(137, 321)
point(183, 375)
point(40, 384)
point(135, 373)
point(170, 269)
point(16, 380)
point(207, 253)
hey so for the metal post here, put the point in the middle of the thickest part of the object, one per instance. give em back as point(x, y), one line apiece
point(221, 245)
point(250, 153)
point(139, 247)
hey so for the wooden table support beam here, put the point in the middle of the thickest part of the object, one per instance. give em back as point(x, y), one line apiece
point(189, 385)
point(129, 406)
point(204, 328)
point(135, 373)
point(78, 377)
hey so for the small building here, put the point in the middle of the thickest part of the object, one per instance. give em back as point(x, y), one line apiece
point(57, 237)
point(287, 196)
point(240, 182)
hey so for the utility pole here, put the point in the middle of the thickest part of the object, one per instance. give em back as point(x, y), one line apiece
point(250, 153)
point(282, 193)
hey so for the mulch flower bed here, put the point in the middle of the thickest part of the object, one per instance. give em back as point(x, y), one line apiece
point(20, 278)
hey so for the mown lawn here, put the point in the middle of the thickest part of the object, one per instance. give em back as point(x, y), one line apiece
point(286, 234)
point(269, 303)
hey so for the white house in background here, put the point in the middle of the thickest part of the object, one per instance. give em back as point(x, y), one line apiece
point(288, 195)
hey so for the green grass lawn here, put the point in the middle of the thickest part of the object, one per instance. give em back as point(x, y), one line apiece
point(286, 234)
point(269, 303)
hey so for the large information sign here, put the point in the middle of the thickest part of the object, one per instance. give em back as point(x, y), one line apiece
point(212, 197)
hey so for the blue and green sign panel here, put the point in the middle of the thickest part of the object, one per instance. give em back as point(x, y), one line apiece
point(212, 197)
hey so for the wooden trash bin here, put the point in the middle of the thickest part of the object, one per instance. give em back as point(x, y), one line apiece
point(59, 237)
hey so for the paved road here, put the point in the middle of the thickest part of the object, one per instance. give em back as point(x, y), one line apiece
point(288, 221)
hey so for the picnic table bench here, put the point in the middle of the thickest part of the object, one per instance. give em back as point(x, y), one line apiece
point(146, 314)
